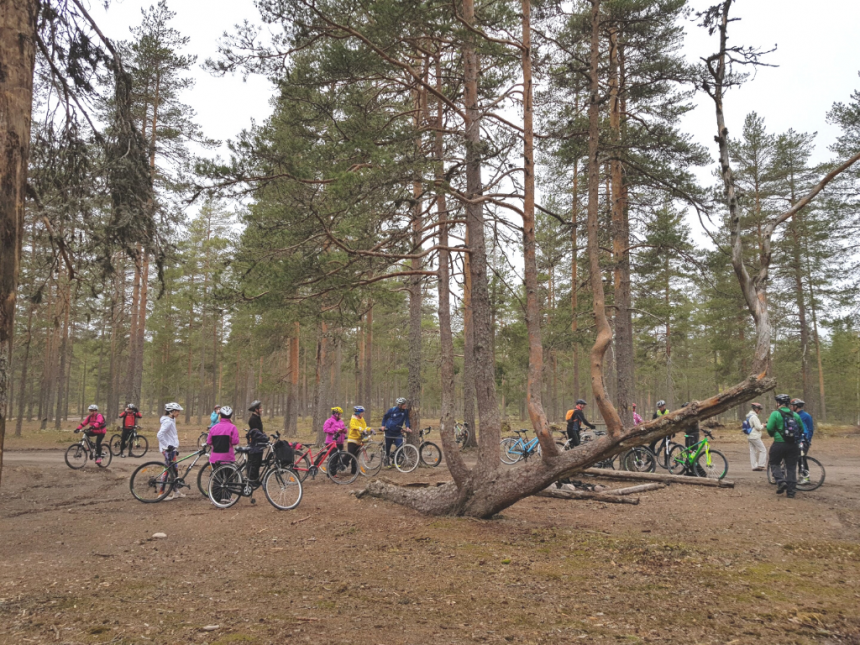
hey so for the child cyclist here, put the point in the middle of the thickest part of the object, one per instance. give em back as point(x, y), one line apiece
point(168, 440)
point(97, 427)
point(355, 438)
point(223, 437)
point(129, 420)
point(334, 429)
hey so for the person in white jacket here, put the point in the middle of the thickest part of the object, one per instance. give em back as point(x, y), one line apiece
point(758, 453)
point(168, 440)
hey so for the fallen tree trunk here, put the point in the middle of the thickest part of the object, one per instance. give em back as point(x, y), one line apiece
point(642, 488)
point(559, 493)
point(658, 477)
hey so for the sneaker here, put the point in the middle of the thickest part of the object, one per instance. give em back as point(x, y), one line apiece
point(98, 461)
point(804, 480)
point(122, 456)
point(780, 489)
point(170, 497)
point(178, 494)
point(790, 494)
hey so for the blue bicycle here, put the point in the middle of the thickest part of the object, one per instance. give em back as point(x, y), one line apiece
point(516, 449)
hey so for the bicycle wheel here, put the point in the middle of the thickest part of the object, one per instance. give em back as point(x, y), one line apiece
point(607, 463)
point(511, 452)
point(302, 466)
point(203, 479)
point(151, 482)
point(76, 456)
point(406, 458)
point(812, 478)
point(370, 459)
point(677, 460)
point(639, 460)
point(106, 456)
point(430, 454)
point(115, 444)
point(716, 469)
point(283, 488)
point(201, 440)
point(225, 485)
point(138, 446)
point(342, 467)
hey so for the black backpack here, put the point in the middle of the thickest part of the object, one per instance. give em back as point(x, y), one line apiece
point(791, 432)
point(284, 453)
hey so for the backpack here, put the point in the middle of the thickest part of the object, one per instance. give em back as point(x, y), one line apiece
point(791, 431)
point(746, 427)
point(284, 453)
point(569, 415)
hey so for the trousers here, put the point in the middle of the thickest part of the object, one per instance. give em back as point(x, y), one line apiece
point(783, 463)
point(758, 453)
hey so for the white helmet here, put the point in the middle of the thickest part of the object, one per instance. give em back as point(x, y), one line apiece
point(93, 408)
point(171, 407)
point(226, 411)
point(400, 401)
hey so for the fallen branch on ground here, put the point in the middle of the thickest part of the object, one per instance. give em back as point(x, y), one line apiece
point(637, 489)
point(657, 477)
point(557, 493)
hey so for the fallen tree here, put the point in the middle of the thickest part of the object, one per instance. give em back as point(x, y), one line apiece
point(658, 477)
point(608, 497)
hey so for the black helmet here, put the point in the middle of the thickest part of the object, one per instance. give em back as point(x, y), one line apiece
point(581, 402)
point(783, 399)
point(255, 405)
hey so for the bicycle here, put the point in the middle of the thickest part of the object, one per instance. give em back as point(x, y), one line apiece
point(516, 449)
point(428, 452)
point(664, 449)
point(699, 460)
point(808, 479)
point(137, 444)
point(370, 456)
point(153, 481)
point(77, 454)
point(338, 465)
point(461, 434)
point(406, 458)
point(280, 483)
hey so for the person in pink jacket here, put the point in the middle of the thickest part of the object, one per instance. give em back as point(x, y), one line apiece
point(335, 430)
point(97, 429)
point(223, 437)
point(636, 418)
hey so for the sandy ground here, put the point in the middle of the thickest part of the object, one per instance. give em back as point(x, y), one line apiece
point(687, 565)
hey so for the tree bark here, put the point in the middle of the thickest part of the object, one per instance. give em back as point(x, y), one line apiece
point(468, 352)
point(368, 362)
point(558, 493)
point(659, 477)
point(415, 301)
point(22, 395)
point(574, 278)
point(320, 383)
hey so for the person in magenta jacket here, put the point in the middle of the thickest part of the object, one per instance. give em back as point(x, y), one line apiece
point(223, 437)
point(335, 430)
point(97, 429)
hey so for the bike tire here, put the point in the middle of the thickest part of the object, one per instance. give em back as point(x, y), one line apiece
point(302, 466)
point(816, 475)
point(607, 463)
point(341, 467)
point(283, 488)
point(510, 452)
point(225, 485)
point(201, 440)
point(203, 479)
point(406, 458)
point(717, 469)
point(151, 482)
point(106, 456)
point(677, 464)
point(370, 459)
point(430, 454)
point(138, 446)
point(639, 460)
point(115, 444)
point(76, 456)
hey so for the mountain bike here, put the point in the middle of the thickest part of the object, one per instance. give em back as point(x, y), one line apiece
point(663, 451)
point(137, 444)
point(78, 453)
point(698, 460)
point(516, 449)
point(428, 452)
point(153, 481)
point(638, 459)
point(338, 465)
point(808, 478)
point(461, 434)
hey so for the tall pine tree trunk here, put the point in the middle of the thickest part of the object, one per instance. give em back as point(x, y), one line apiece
point(574, 277)
point(22, 395)
point(368, 362)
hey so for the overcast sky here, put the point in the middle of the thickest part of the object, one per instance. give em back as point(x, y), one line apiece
point(818, 58)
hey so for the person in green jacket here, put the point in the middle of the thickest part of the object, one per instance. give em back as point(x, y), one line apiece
point(784, 455)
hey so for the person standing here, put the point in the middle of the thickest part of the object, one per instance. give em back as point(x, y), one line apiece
point(168, 441)
point(786, 428)
point(808, 430)
point(661, 412)
point(257, 440)
point(129, 420)
point(215, 417)
point(752, 429)
point(355, 437)
point(637, 420)
point(692, 432)
point(395, 422)
point(96, 427)
point(576, 419)
point(223, 437)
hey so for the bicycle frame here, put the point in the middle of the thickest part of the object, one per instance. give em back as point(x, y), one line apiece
point(691, 455)
point(527, 447)
point(322, 455)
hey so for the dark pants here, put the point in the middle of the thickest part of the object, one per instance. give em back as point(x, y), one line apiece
point(99, 438)
point(389, 441)
point(254, 461)
point(353, 448)
point(783, 463)
point(658, 446)
point(573, 435)
point(804, 450)
point(691, 439)
point(126, 434)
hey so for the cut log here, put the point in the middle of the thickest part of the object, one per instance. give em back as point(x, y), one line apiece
point(637, 489)
point(658, 477)
point(556, 493)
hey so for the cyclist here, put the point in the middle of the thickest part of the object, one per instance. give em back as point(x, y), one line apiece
point(168, 440)
point(335, 431)
point(129, 419)
point(354, 439)
point(797, 405)
point(753, 429)
point(394, 423)
point(215, 416)
point(223, 436)
point(782, 450)
point(661, 412)
point(691, 434)
point(96, 427)
point(576, 420)
point(636, 418)
point(257, 440)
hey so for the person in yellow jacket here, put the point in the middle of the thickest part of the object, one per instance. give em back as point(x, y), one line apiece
point(354, 439)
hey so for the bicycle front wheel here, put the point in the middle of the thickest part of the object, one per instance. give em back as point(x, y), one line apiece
point(677, 460)
point(813, 477)
point(342, 467)
point(639, 460)
point(138, 446)
point(302, 466)
point(370, 459)
point(430, 454)
point(106, 456)
point(283, 488)
point(115, 444)
point(712, 465)
point(76, 456)
point(201, 440)
point(203, 479)
point(225, 485)
point(511, 453)
point(406, 458)
point(151, 482)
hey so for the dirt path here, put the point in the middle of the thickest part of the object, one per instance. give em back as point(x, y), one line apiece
point(687, 565)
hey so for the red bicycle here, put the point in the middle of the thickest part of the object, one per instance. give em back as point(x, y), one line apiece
point(340, 466)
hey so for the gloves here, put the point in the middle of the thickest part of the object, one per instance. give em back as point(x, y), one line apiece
point(77, 430)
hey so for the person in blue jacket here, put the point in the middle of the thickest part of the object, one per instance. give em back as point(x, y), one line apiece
point(797, 406)
point(395, 422)
point(215, 417)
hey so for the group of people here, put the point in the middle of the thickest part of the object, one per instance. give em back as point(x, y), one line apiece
point(95, 426)
point(395, 423)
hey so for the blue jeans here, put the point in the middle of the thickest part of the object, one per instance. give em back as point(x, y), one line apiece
point(397, 441)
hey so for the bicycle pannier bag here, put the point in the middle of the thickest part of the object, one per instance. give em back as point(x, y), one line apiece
point(284, 453)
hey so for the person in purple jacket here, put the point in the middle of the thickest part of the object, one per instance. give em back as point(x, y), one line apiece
point(223, 436)
point(335, 430)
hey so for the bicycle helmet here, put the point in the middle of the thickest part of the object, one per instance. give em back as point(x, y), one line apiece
point(173, 407)
point(255, 405)
point(358, 409)
point(400, 401)
point(132, 407)
point(798, 403)
point(226, 412)
point(783, 399)
point(217, 407)
point(757, 406)
point(581, 402)
point(337, 410)
point(661, 403)
point(93, 408)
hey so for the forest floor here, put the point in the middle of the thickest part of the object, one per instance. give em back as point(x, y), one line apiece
point(687, 565)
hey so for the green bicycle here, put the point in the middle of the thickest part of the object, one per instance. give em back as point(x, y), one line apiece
point(698, 460)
